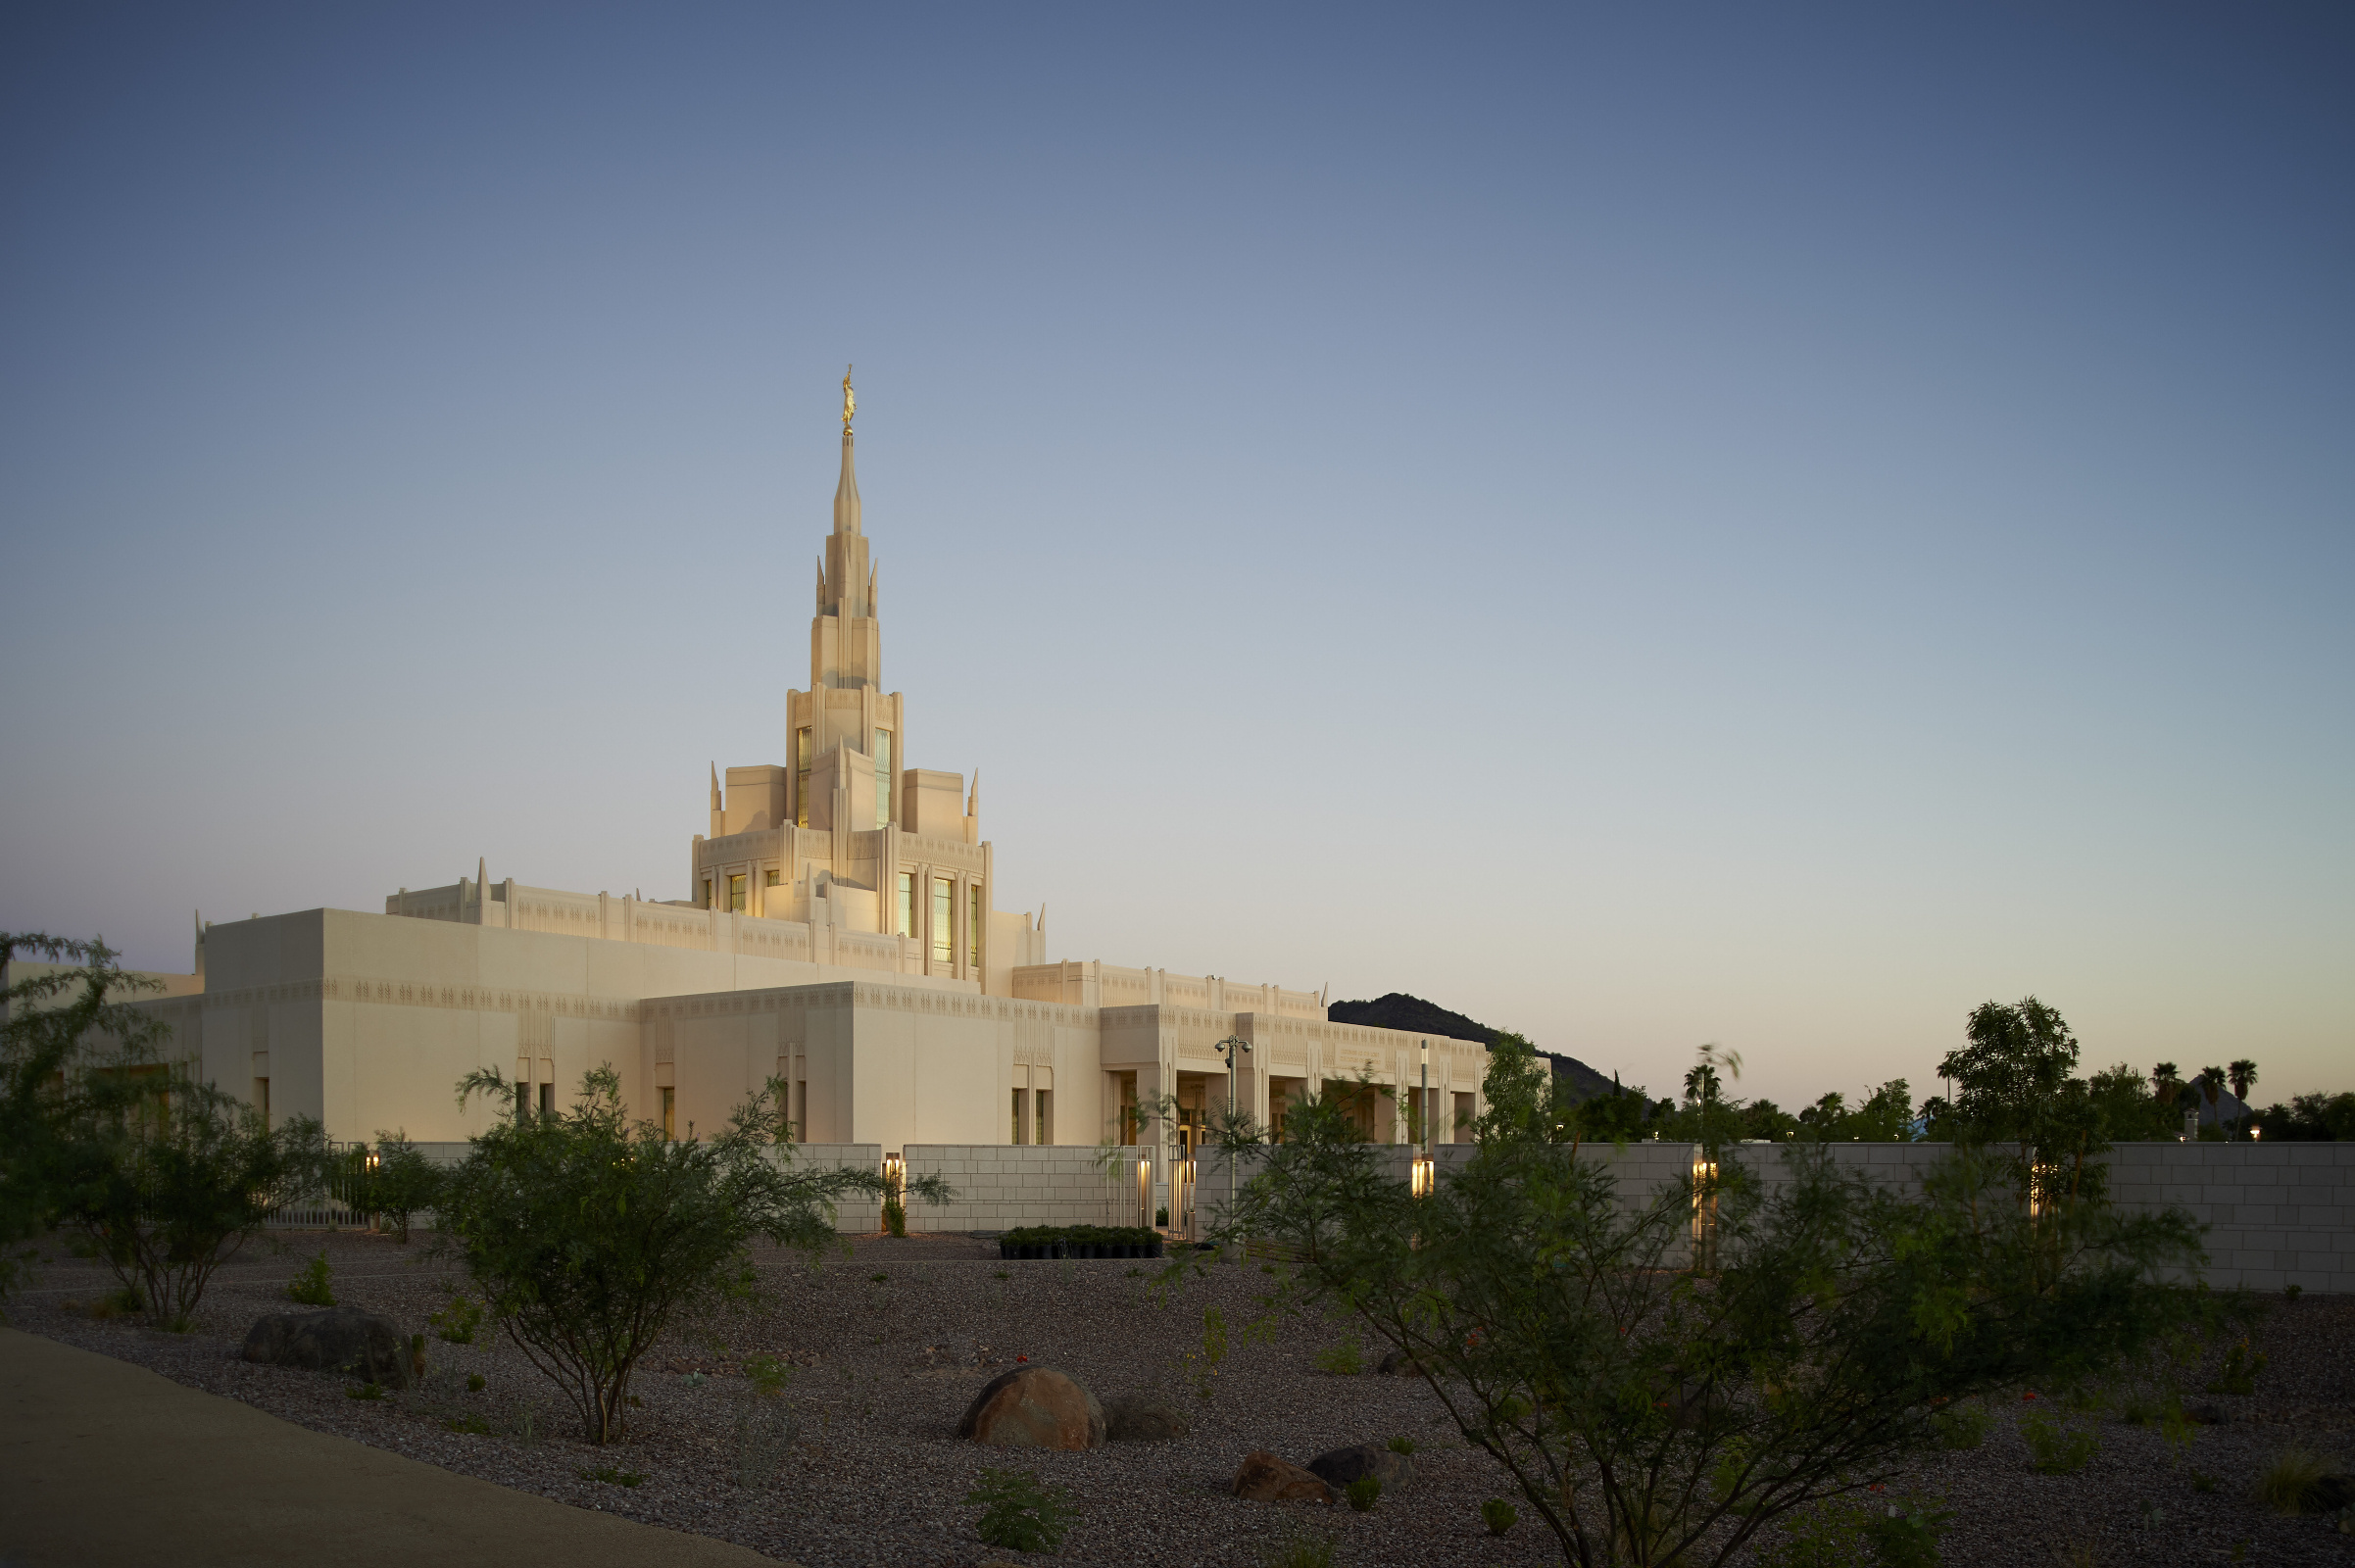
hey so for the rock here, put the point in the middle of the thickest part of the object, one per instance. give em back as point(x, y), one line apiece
point(1398, 1364)
point(1342, 1466)
point(340, 1338)
point(1034, 1407)
point(1144, 1417)
point(1265, 1478)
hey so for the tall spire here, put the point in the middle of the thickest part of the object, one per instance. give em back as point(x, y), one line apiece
point(846, 494)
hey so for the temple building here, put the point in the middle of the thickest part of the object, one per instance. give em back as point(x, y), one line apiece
point(839, 935)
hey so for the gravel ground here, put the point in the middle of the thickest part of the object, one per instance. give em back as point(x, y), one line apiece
point(886, 1364)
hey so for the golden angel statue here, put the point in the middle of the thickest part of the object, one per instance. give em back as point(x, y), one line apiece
point(849, 399)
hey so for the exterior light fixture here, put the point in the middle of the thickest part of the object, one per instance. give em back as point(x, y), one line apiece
point(1145, 1195)
point(895, 1174)
point(1426, 1176)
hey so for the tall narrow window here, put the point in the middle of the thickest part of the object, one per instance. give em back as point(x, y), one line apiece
point(548, 1102)
point(1020, 1094)
point(706, 900)
point(670, 1114)
point(736, 894)
point(801, 1104)
point(523, 1101)
point(907, 908)
point(1046, 1122)
point(769, 879)
point(973, 926)
point(801, 776)
point(944, 920)
point(262, 1098)
point(882, 778)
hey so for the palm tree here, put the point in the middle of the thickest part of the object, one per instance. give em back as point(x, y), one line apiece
point(2212, 1083)
point(2243, 1076)
point(2164, 1082)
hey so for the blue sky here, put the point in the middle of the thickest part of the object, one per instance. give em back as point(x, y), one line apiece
point(1641, 525)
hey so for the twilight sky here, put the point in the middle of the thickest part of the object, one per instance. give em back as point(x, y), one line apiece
point(1766, 525)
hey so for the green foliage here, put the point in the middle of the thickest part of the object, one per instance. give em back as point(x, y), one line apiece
point(1363, 1493)
point(1071, 1235)
point(768, 1373)
point(895, 1218)
point(2293, 1481)
point(2238, 1374)
point(589, 1235)
point(1019, 1514)
point(1402, 1445)
point(2310, 1118)
point(613, 1475)
point(68, 1037)
point(2013, 1089)
point(1849, 1531)
point(456, 1319)
point(1961, 1425)
point(312, 1287)
point(364, 1391)
point(167, 1177)
point(466, 1422)
point(1343, 1358)
point(1301, 1551)
point(476, 1383)
point(1498, 1515)
point(401, 1181)
point(2054, 1448)
point(1652, 1413)
point(1160, 1216)
point(1202, 1366)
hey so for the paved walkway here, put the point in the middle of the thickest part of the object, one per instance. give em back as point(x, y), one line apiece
point(103, 1463)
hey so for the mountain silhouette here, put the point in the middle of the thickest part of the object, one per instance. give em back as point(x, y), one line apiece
point(1415, 1016)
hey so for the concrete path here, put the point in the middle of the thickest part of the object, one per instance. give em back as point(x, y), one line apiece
point(107, 1465)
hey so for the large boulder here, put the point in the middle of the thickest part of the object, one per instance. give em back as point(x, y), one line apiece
point(340, 1338)
point(1144, 1417)
point(1342, 1466)
point(1265, 1478)
point(1034, 1407)
point(1398, 1364)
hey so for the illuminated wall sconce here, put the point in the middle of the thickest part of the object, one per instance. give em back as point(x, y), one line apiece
point(1426, 1177)
point(895, 1175)
point(1144, 1194)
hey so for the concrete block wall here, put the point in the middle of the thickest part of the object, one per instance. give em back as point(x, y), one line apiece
point(2276, 1214)
point(1001, 1186)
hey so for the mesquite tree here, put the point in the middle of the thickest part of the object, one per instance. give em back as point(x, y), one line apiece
point(1652, 1412)
point(589, 1234)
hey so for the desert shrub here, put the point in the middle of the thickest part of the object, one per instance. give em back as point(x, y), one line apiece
point(466, 1422)
point(402, 1182)
point(895, 1218)
point(1301, 1551)
point(613, 1475)
point(66, 1036)
point(167, 1177)
point(476, 1382)
point(1498, 1515)
point(1342, 1359)
point(1961, 1425)
point(2293, 1481)
point(2054, 1448)
point(2238, 1374)
point(1657, 1413)
point(768, 1373)
point(456, 1319)
point(1363, 1493)
point(1851, 1531)
point(1402, 1445)
point(314, 1286)
point(1019, 1514)
point(589, 1235)
point(364, 1391)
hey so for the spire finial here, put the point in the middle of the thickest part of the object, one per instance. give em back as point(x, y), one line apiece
point(849, 399)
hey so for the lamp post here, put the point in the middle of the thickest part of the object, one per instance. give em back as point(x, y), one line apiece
point(1232, 1046)
point(1426, 1172)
